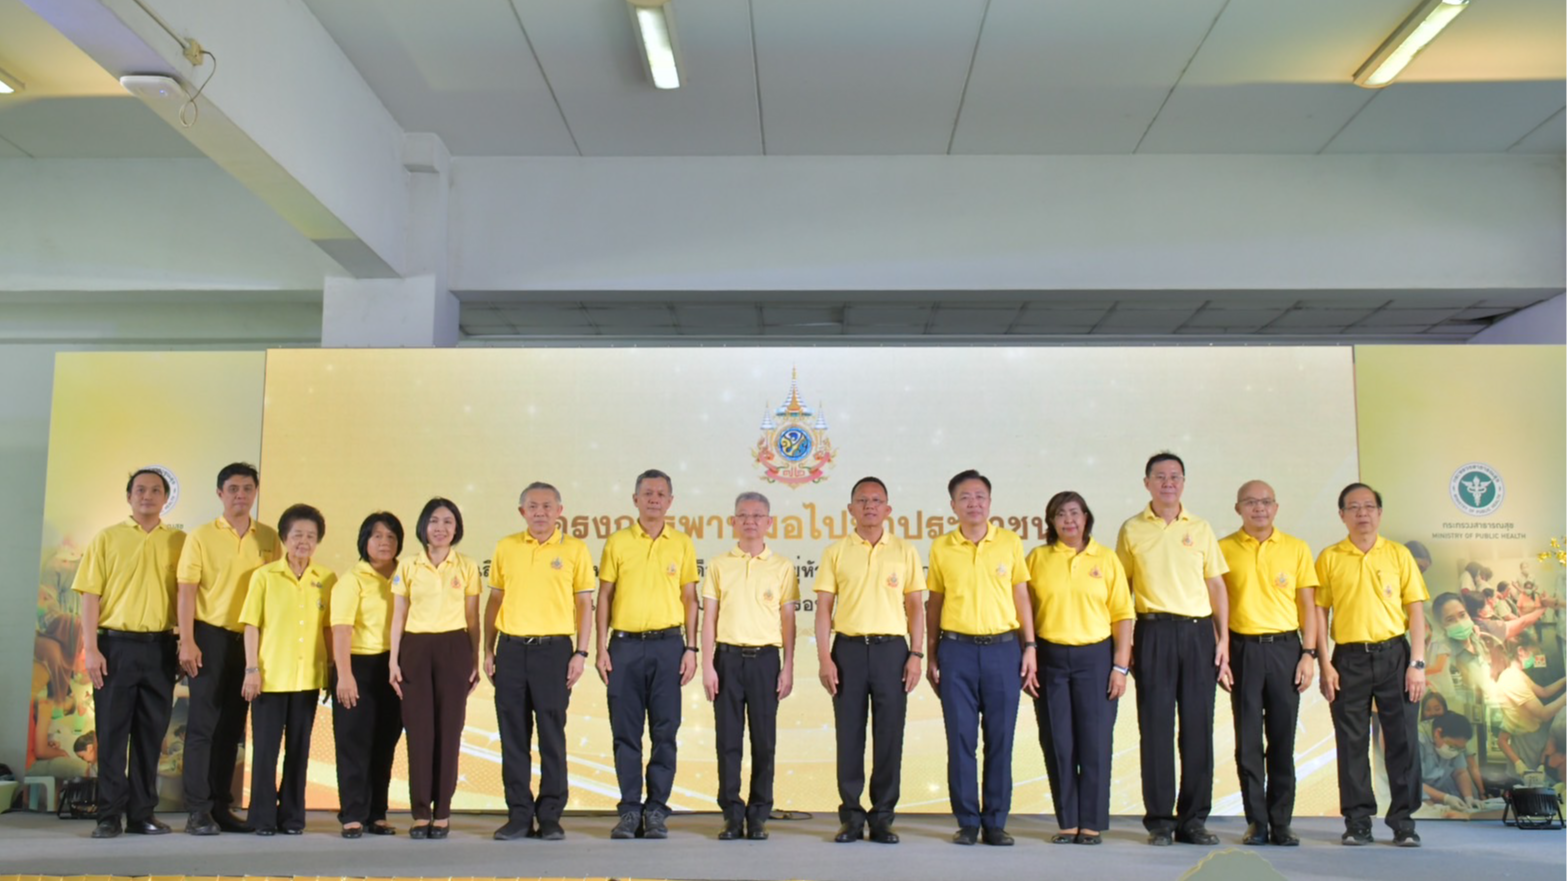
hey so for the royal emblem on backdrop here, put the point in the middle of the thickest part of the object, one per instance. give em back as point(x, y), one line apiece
point(794, 449)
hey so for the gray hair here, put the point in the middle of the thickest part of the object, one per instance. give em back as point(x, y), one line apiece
point(753, 497)
point(537, 484)
point(653, 474)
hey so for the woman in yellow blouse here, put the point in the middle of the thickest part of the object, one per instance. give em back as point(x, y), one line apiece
point(285, 618)
point(435, 660)
point(367, 715)
point(1083, 620)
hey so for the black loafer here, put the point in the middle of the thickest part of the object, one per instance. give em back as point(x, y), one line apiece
point(419, 830)
point(1161, 839)
point(966, 835)
point(109, 827)
point(883, 835)
point(152, 826)
point(849, 832)
point(1197, 835)
point(291, 830)
point(229, 823)
point(550, 830)
point(1089, 839)
point(265, 831)
point(513, 830)
point(353, 831)
point(731, 832)
point(1406, 838)
point(439, 832)
point(381, 828)
point(997, 837)
point(1283, 836)
point(201, 823)
point(1256, 834)
point(757, 831)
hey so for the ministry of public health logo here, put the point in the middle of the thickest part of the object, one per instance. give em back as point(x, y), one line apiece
point(1477, 489)
point(793, 449)
point(174, 487)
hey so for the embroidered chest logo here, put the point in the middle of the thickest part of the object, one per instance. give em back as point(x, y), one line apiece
point(1095, 573)
point(556, 563)
point(1187, 539)
point(892, 580)
point(1282, 582)
point(768, 595)
point(456, 583)
point(670, 571)
point(1001, 571)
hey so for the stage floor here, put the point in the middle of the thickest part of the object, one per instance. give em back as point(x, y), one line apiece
point(34, 844)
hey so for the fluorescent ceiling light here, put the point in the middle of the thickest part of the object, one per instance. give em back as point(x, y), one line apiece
point(654, 23)
point(1401, 47)
point(9, 84)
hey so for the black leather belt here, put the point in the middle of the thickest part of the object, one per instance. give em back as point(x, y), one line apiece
point(746, 651)
point(232, 635)
point(1382, 646)
point(646, 634)
point(1164, 616)
point(986, 639)
point(870, 638)
point(1282, 636)
point(135, 635)
point(534, 640)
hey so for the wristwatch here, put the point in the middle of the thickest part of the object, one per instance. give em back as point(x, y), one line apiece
point(1030, 644)
point(1417, 665)
point(1124, 671)
point(1312, 652)
point(581, 653)
point(914, 654)
point(693, 650)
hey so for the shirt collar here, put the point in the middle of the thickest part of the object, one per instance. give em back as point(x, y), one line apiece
point(424, 559)
point(1148, 514)
point(363, 567)
point(639, 532)
point(131, 522)
point(767, 553)
point(1349, 544)
point(1089, 547)
point(960, 538)
point(555, 538)
point(1246, 538)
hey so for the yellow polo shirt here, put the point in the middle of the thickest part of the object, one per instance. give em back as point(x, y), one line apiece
point(870, 582)
point(1368, 591)
point(977, 580)
point(132, 573)
point(292, 615)
point(1262, 581)
point(220, 561)
point(1077, 596)
point(647, 573)
point(1169, 563)
point(362, 599)
point(751, 593)
point(437, 595)
point(540, 583)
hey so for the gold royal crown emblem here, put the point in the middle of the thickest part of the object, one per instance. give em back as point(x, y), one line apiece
point(794, 449)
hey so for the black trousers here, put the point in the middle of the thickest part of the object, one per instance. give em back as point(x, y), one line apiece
point(366, 738)
point(133, 708)
point(870, 684)
point(436, 668)
point(530, 689)
point(215, 724)
point(1264, 701)
point(644, 688)
point(1365, 676)
point(1076, 730)
point(1173, 662)
point(280, 718)
point(747, 690)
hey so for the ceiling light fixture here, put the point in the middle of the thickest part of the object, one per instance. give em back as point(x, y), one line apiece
point(1401, 47)
point(654, 22)
point(9, 84)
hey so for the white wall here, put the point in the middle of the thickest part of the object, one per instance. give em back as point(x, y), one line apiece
point(1008, 222)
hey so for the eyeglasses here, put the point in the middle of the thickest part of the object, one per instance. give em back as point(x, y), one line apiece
point(1360, 509)
point(752, 517)
point(1258, 503)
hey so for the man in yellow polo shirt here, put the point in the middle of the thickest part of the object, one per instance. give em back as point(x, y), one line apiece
point(982, 655)
point(541, 607)
point(647, 598)
point(1371, 600)
point(749, 597)
point(1180, 648)
point(213, 574)
point(126, 581)
point(870, 631)
point(1273, 638)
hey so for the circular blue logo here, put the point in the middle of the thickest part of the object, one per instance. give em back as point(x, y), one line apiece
point(794, 443)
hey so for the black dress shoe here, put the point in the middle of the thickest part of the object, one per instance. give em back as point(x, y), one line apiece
point(1256, 834)
point(439, 832)
point(150, 826)
point(757, 830)
point(514, 829)
point(1161, 839)
point(201, 823)
point(293, 830)
point(731, 832)
point(1406, 838)
point(550, 830)
point(997, 837)
point(353, 831)
point(1197, 835)
point(108, 827)
point(419, 830)
point(381, 827)
point(229, 823)
point(966, 835)
point(1284, 837)
point(265, 831)
point(1357, 837)
point(630, 823)
point(849, 832)
point(883, 835)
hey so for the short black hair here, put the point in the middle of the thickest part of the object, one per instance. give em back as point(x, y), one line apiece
point(382, 518)
point(653, 474)
point(422, 527)
point(1452, 725)
point(131, 481)
point(1054, 506)
point(1443, 599)
point(864, 480)
point(1344, 493)
point(1418, 550)
point(238, 469)
point(964, 476)
point(1437, 695)
point(1163, 456)
point(86, 740)
point(294, 513)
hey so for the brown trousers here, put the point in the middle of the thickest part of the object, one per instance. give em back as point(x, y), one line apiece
point(435, 668)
